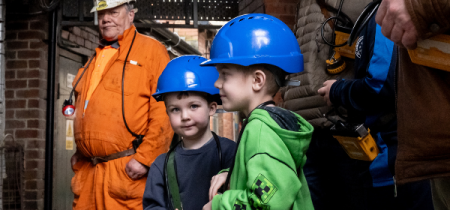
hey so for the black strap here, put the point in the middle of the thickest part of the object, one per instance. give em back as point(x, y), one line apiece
point(362, 20)
point(69, 101)
point(123, 84)
point(244, 124)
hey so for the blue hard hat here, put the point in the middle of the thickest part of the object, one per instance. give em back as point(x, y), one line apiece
point(185, 74)
point(257, 39)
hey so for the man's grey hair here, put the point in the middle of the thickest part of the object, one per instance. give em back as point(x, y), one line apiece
point(129, 6)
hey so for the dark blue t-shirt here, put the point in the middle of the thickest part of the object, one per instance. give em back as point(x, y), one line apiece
point(195, 168)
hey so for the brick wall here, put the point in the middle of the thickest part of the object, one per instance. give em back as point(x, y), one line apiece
point(81, 40)
point(282, 9)
point(25, 94)
point(2, 70)
point(2, 87)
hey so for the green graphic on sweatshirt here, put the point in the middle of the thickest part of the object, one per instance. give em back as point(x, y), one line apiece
point(263, 189)
point(240, 205)
point(255, 203)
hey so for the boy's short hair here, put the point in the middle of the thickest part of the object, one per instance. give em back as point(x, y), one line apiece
point(275, 76)
point(184, 94)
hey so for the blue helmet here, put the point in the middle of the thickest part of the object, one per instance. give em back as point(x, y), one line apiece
point(257, 39)
point(185, 74)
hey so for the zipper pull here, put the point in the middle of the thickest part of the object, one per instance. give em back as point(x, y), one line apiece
point(395, 187)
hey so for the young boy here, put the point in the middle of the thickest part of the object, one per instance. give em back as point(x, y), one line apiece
point(190, 98)
point(252, 54)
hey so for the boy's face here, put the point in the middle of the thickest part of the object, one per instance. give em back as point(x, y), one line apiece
point(189, 115)
point(235, 87)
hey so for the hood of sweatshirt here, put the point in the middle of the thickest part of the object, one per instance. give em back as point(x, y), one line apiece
point(294, 131)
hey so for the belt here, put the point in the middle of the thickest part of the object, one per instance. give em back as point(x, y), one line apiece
point(125, 153)
point(117, 155)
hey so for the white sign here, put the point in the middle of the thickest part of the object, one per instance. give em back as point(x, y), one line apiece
point(69, 135)
point(70, 78)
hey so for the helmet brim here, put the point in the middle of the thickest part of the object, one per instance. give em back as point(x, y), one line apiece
point(290, 64)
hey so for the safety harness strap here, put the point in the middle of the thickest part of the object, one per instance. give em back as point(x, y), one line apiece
point(173, 182)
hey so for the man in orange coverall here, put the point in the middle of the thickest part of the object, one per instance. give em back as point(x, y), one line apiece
point(110, 172)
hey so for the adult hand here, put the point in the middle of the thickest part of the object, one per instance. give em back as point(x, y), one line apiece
point(396, 23)
point(135, 169)
point(74, 158)
point(325, 91)
point(208, 206)
point(216, 182)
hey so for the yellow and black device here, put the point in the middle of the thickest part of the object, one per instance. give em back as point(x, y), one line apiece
point(335, 64)
point(356, 140)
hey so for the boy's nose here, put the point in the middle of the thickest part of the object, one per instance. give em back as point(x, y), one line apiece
point(218, 83)
point(185, 116)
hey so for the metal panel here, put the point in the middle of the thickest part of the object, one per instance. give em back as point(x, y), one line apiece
point(62, 175)
point(211, 10)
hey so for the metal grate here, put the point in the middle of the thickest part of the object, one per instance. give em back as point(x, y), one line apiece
point(218, 10)
point(208, 10)
point(11, 172)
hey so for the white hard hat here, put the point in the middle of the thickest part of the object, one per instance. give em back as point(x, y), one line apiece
point(108, 4)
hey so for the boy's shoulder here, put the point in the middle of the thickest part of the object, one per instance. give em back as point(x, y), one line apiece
point(226, 141)
point(159, 161)
point(227, 144)
point(276, 116)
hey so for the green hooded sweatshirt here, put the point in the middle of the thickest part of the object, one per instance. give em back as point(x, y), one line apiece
point(268, 166)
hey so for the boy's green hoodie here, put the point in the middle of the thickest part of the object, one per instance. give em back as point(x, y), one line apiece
point(268, 166)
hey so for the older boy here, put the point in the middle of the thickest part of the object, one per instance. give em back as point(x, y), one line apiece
point(190, 98)
point(253, 53)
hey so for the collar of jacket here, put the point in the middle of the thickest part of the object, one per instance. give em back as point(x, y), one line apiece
point(123, 42)
point(113, 44)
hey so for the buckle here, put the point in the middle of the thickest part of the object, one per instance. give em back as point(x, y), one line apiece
point(136, 142)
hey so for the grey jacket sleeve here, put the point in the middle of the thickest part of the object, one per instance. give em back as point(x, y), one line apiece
point(154, 194)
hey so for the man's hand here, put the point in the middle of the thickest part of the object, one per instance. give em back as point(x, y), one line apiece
point(208, 206)
point(396, 23)
point(216, 182)
point(325, 91)
point(74, 158)
point(135, 169)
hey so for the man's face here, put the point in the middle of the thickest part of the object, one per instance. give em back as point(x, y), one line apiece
point(235, 87)
point(113, 22)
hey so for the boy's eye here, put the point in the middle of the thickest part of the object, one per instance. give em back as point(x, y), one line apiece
point(193, 106)
point(174, 110)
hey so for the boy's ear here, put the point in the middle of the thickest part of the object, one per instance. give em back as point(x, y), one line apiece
point(212, 108)
point(259, 80)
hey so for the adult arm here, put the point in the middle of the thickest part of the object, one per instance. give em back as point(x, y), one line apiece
point(407, 21)
point(160, 133)
point(374, 92)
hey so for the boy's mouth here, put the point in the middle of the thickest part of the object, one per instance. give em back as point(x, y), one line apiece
point(187, 126)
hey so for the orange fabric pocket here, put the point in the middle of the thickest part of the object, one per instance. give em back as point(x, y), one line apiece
point(113, 78)
point(120, 185)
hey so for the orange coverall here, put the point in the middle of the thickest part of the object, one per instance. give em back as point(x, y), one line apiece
point(100, 130)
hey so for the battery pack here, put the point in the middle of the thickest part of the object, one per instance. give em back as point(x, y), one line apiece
point(357, 142)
